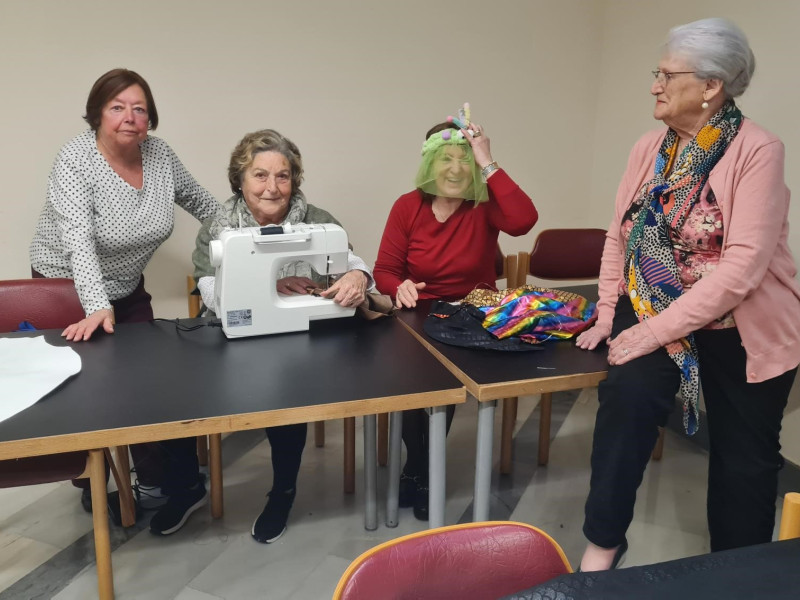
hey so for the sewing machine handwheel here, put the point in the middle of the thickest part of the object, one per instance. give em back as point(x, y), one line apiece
point(215, 252)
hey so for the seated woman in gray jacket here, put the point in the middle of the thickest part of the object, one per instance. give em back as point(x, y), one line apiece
point(265, 173)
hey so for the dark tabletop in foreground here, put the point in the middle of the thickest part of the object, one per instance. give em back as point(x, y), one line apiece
point(768, 571)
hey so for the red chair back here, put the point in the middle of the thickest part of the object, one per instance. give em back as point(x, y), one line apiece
point(473, 560)
point(567, 254)
point(45, 303)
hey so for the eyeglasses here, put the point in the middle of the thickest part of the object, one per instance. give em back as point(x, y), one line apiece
point(664, 77)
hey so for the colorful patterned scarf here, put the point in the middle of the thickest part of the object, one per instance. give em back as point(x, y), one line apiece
point(533, 314)
point(652, 278)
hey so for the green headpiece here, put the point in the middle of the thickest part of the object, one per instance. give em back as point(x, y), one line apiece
point(434, 159)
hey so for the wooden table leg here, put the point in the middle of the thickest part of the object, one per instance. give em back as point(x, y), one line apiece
point(123, 479)
point(319, 434)
point(349, 455)
point(383, 439)
point(658, 449)
point(507, 434)
point(215, 473)
point(545, 413)
point(202, 450)
point(102, 539)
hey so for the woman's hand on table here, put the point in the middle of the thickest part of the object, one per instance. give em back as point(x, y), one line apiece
point(294, 285)
point(349, 290)
point(83, 330)
point(632, 343)
point(591, 338)
point(408, 294)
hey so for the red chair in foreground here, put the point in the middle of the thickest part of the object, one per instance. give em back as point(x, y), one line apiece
point(475, 560)
point(54, 304)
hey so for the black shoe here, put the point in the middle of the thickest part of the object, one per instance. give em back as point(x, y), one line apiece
point(621, 550)
point(114, 510)
point(271, 523)
point(408, 490)
point(421, 502)
point(86, 500)
point(173, 515)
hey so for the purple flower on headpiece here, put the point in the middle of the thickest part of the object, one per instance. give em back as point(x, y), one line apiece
point(446, 134)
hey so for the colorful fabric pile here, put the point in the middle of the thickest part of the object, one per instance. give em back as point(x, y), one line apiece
point(533, 314)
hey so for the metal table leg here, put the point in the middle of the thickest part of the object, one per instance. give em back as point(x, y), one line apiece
point(436, 461)
point(483, 460)
point(395, 450)
point(370, 472)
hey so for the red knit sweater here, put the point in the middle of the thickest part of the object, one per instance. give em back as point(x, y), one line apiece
point(456, 256)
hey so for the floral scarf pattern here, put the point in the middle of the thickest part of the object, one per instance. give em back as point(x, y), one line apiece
point(652, 278)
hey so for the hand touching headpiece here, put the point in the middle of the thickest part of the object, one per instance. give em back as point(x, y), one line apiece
point(433, 152)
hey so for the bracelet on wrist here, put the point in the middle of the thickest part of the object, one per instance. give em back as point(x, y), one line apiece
point(489, 169)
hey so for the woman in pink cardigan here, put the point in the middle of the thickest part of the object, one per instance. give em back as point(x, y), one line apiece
point(697, 284)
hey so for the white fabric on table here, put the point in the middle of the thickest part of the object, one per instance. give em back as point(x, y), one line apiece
point(30, 368)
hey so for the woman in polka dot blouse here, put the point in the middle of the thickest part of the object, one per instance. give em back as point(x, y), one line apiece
point(110, 205)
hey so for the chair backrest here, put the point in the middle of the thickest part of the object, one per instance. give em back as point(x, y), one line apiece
point(193, 297)
point(45, 303)
point(473, 560)
point(505, 267)
point(566, 254)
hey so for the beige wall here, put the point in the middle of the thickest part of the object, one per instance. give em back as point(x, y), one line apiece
point(354, 84)
point(561, 87)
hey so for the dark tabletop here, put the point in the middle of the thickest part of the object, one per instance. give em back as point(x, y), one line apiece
point(768, 571)
point(148, 373)
point(486, 367)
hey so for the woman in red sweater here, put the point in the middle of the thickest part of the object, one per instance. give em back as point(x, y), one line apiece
point(439, 243)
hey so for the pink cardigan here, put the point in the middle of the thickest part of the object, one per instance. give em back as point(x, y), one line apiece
point(756, 273)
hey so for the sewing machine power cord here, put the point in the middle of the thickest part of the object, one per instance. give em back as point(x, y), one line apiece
point(180, 327)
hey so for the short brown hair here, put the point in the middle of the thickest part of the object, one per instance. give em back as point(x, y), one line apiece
point(108, 86)
point(264, 140)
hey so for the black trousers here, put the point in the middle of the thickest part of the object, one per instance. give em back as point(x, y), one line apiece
point(287, 442)
point(415, 437)
point(743, 421)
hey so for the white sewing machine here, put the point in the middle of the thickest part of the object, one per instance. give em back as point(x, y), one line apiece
point(248, 261)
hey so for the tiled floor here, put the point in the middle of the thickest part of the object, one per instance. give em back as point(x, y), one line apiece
point(46, 547)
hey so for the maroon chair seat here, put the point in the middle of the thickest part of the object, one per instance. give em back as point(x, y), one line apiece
point(474, 560)
point(42, 469)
